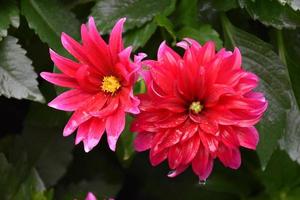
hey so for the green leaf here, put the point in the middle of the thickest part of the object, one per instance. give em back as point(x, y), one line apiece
point(259, 58)
point(102, 175)
point(52, 153)
point(49, 19)
point(289, 52)
point(184, 18)
point(295, 4)
point(125, 150)
point(9, 14)
point(17, 77)
point(277, 179)
point(165, 23)
point(139, 37)
point(288, 42)
point(137, 12)
point(224, 5)
point(17, 180)
point(31, 188)
point(202, 34)
point(291, 139)
point(272, 13)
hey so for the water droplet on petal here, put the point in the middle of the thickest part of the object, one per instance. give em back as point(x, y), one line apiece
point(202, 182)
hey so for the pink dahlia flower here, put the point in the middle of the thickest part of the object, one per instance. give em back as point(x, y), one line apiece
point(101, 85)
point(197, 108)
point(90, 196)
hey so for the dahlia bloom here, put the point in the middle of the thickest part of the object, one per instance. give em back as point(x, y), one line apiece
point(197, 108)
point(101, 85)
point(90, 196)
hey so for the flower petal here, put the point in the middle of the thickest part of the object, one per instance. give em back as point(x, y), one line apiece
point(230, 157)
point(142, 141)
point(115, 124)
point(248, 136)
point(78, 117)
point(60, 80)
point(90, 196)
point(174, 156)
point(202, 164)
point(70, 100)
point(115, 39)
point(94, 133)
point(65, 65)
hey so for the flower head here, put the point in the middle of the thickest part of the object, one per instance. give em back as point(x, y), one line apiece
point(197, 108)
point(101, 85)
point(90, 196)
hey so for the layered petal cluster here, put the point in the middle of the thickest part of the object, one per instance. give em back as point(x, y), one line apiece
point(198, 107)
point(101, 85)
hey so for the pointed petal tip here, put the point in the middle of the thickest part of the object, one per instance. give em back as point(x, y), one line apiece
point(123, 19)
point(52, 104)
point(112, 141)
point(112, 147)
point(87, 149)
point(68, 131)
point(45, 75)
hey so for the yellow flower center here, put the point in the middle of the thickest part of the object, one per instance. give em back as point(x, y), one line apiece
point(110, 84)
point(196, 107)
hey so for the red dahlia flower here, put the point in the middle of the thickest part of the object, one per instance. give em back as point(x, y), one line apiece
point(101, 83)
point(197, 108)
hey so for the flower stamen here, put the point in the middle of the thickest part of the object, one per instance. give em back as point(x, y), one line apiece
point(196, 107)
point(110, 84)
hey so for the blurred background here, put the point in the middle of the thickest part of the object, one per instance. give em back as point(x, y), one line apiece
point(37, 162)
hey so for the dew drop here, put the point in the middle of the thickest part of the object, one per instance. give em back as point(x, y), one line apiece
point(202, 182)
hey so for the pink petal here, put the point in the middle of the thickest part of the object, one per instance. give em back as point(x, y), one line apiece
point(171, 122)
point(74, 48)
point(94, 134)
point(143, 141)
point(157, 158)
point(165, 50)
point(111, 106)
point(70, 100)
point(60, 80)
point(78, 117)
point(65, 65)
point(96, 57)
point(101, 45)
point(229, 137)
point(115, 39)
point(177, 171)
point(90, 196)
point(188, 129)
point(96, 37)
point(82, 132)
point(234, 62)
point(206, 53)
point(230, 157)
point(248, 136)
point(202, 164)
point(190, 149)
point(174, 156)
point(210, 142)
point(172, 137)
point(82, 76)
point(115, 124)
